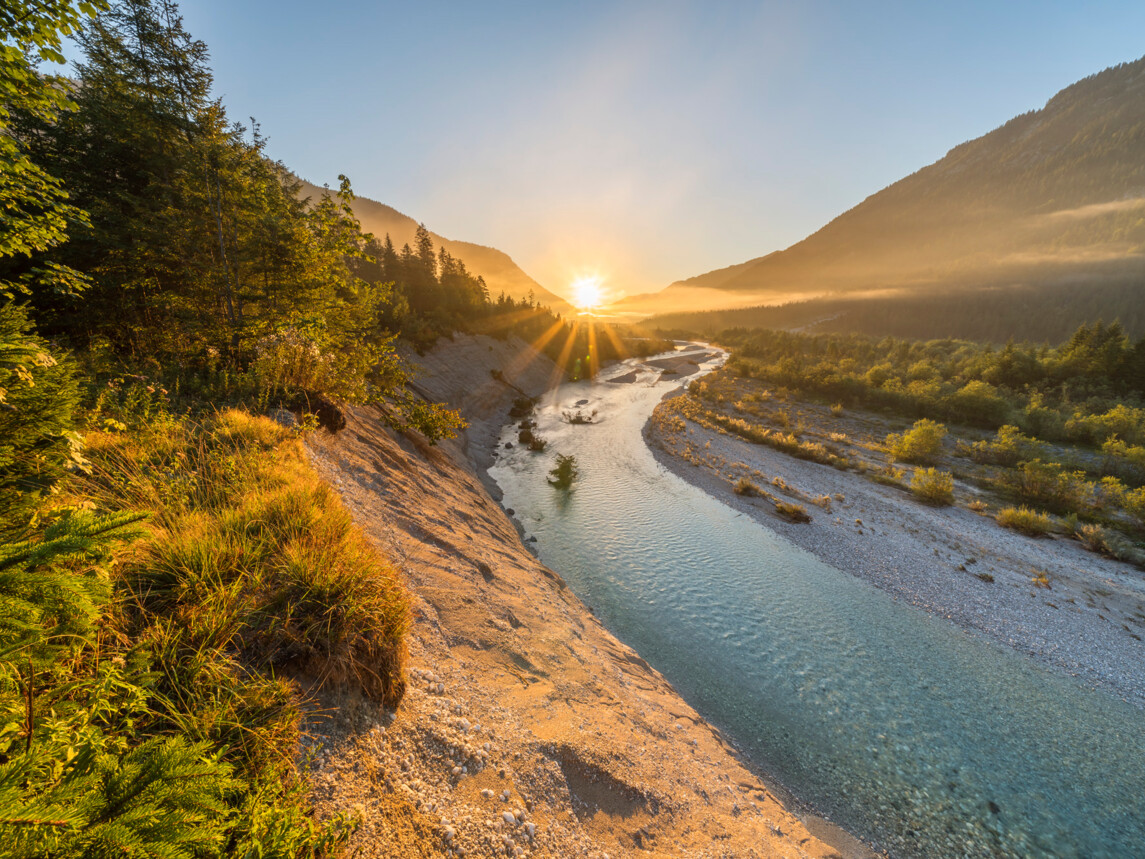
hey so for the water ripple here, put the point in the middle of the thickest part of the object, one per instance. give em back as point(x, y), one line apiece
point(898, 725)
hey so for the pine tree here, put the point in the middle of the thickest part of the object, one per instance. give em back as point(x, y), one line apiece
point(37, 209)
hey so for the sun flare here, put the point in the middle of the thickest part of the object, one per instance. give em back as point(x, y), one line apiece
point(587, 292)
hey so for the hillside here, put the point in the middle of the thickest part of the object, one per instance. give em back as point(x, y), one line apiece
point(1053, 197)
point(500, 272)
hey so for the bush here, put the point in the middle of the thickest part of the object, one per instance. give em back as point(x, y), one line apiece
point(1025, 521)
point(1123, 460)
point(978, 403)
point(565, 472)
point(933, 486)
point(1134, 503)
point(1049, 486)
point(1095, 538)
point(922, 443)
point(1121, 421)
point(1008, 448)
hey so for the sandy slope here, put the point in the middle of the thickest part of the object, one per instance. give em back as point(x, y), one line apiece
point(528, 729)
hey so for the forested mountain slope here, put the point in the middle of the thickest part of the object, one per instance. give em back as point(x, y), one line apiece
point(501, 274)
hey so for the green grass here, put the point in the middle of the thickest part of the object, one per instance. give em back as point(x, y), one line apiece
point(249, 583)
point(168, 611)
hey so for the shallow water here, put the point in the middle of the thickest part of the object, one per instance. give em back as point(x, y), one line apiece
point(899, 726)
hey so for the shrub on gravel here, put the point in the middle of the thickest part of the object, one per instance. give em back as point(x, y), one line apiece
point(922, 443)
point(933, 486)
point(1032, 523)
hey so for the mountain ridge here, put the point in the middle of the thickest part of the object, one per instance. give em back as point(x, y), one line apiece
point(1053, 194)
point(500, 272)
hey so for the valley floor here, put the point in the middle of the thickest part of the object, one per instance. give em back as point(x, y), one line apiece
point(1082, 613)
point(528, 729)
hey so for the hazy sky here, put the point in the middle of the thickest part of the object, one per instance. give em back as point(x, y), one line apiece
point(646, 142)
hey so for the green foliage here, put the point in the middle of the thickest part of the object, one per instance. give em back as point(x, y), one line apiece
point(1024, 520)
point(165, 799)
point(1009, 447)
point(979, 403)
point(52, 587)
point(34, 203)
point(147, 726)
point(1123, 460)
point(38, 397)
point(1135, 505)
point(788, 442)
point(933, 486)
point(1088, 389)
point(565, 472)
point(1121, 421)
point(74, 778)
point(922, 443)
point(247, 530)
point(1049, 486)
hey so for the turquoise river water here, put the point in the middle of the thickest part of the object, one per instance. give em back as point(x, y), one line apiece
point(902, 728)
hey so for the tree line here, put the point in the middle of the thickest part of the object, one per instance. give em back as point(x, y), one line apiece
point(1051, 393)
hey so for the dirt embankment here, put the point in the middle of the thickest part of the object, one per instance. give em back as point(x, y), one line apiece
point(528, 729)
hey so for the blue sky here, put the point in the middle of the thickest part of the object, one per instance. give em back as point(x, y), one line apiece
point(642, 141)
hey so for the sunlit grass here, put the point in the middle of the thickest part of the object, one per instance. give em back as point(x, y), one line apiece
point(252, 573)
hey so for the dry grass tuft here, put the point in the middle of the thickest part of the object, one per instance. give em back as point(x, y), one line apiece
point(252, 558)
point(792, 512)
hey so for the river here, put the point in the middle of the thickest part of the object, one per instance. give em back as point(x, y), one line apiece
point(904, 729)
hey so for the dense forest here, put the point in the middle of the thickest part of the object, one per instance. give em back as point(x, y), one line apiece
point(1069, 392)
point(168, 560)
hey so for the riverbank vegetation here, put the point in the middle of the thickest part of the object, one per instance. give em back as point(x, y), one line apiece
point(1054, 436)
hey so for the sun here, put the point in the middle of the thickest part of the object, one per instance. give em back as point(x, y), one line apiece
point(587, 292)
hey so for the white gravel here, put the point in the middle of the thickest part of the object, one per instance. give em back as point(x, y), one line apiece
point(1088, 624)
